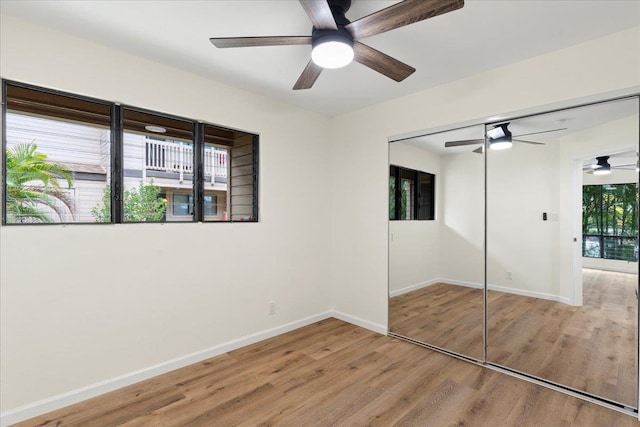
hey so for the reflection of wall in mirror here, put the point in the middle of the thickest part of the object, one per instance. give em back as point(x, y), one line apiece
point(449, 249)
point(413, 251)
point(462, 213)
point(529, 180)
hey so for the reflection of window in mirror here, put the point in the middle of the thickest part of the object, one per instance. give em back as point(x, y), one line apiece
point(610, 221)
point(411, 194)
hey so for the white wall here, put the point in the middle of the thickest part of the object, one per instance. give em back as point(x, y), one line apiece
point(83, 304)
point(462, 226)
point(522, 183)
point(359, 147)
point(414, 246)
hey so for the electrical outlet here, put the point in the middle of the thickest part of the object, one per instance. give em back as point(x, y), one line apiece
point(508, 275)
point(272, 308)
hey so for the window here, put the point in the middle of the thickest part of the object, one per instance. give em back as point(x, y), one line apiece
point(411, 194)
point(610, 221)
point(210, 205)
point(158, 158)
point(57, 157)
point(95, 161)
point(182, 205)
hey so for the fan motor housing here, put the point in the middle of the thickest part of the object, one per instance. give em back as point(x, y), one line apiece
point(322, 36)
point(339, 8)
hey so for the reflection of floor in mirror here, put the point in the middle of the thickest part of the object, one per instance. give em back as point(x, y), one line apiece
point(443, 315)
point(590, 348)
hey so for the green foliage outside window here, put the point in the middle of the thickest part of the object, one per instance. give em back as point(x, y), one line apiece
point(403, 198)
point(33, 192)
point(610, 221)
point(141, 204)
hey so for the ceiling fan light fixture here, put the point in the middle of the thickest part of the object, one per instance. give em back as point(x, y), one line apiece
point(500, 137)
point(602, 166)
point(602, 171)
point(496, 132)
point(500, 145)
point(332, 49)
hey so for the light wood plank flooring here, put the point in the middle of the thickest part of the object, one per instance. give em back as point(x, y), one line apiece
point(590, 348)
point(334, 374)
point(443, 315)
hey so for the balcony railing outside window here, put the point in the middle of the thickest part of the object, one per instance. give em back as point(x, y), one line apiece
point(177, 157)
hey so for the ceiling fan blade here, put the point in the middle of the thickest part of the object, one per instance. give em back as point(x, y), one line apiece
point(528, 142)
point(479, 150)
point(463, 142)
point(308, 77)
point(630, 166)
point(382, 63)
point(400, 14)
point(536, 133)
point(224, 42)
point(320, 14)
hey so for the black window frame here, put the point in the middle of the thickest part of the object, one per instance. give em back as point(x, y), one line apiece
point(422, 198)
point(116, 125)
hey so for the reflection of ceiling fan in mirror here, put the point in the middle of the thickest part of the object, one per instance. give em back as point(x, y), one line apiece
point(499, 138)
point(603, 167)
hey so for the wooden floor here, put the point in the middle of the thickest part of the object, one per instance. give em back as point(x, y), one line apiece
point(443, 315)
point(590, 348)
point(334, 374)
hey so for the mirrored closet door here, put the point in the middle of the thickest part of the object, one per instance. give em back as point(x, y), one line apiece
point(436, 240)
point(562, 248)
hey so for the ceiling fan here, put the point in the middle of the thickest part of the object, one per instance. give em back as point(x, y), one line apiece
point(336, 42)
point(499, 138)
point(603, 167)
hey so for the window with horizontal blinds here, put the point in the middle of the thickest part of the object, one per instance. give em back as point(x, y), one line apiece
point(115, 163)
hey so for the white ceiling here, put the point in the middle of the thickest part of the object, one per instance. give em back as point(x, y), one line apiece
point(484, 34)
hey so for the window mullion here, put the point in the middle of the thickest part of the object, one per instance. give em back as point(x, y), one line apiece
point(416, 176)
point(117, 178)
point(198, 171)
point(398, 195)
point(255, 176)
point(4, 150)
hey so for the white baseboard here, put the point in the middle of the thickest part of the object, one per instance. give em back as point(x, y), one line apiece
point(533, 294)
point(464, 283)
point(516, 291)
point(359, 322)
point(476, 285)
point(65, 399)
point(414, 287)
point(610, 265)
